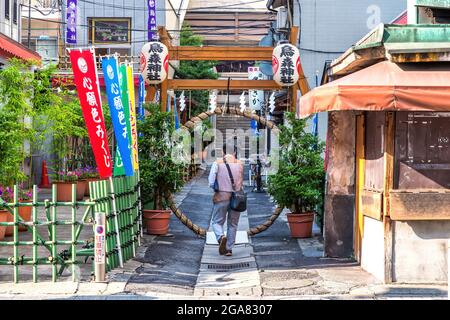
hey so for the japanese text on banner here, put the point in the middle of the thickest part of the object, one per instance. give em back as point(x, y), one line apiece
point(86, 81)
point(117, 110)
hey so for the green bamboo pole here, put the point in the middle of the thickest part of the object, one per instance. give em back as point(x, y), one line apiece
point(126, 216)
point(53, 232)
point(122, 216)
point(129, 204)
point(133, 215)
point(35, 238)
point(116, 222)
point(16, 234)
point(74, 220)
point(141, 232)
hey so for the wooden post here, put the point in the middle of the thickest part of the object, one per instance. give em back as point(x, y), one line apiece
point(293, 37)
point(165, 39)
point(302, 83)
point(389, 138)
point(360, 171)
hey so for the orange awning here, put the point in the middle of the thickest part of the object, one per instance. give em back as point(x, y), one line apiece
point(10, 48)
point(385, 86)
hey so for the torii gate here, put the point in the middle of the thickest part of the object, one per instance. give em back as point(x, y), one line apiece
point(225, 53)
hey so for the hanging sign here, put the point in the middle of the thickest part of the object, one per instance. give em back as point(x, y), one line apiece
point(286, 64)
point(86, 81)
point(134, 136)
point(119, 120)
point(71, 23)
point(256, 97)
point(154, 62)
point(152, 32)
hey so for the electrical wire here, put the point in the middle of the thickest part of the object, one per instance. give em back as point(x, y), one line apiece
point(231, 6)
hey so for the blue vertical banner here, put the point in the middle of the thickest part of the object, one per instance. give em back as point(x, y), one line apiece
point(140, 111)
point(316, 124)
point(110, 68)
point(152, 29)
point(175, 111)
point(71, 23)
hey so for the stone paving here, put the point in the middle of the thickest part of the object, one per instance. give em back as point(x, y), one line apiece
point(175, 266)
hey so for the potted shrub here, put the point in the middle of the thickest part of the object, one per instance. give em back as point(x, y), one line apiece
point(159, 172)
point(25, 196)
point(88, 174)
point(64, 181)
point(298, 184)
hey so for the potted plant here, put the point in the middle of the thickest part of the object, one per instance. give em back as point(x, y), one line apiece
point(159, 172)
point(298, 184)
point(88, 174)
point(25, 196)
point(64, 181)
point(6, 195)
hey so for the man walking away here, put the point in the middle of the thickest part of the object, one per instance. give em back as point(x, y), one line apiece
point(219, 179)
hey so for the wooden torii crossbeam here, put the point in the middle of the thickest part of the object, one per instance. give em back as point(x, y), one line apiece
point(225, 53)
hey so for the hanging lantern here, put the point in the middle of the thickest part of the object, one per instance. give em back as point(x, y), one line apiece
point(286, 64)
point(154, 62)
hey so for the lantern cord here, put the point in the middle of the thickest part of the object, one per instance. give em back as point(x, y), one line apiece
point(228, 95)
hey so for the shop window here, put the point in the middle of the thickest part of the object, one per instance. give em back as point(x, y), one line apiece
point(7, 9)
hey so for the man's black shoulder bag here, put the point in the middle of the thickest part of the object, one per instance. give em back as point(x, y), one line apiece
point(238, 200)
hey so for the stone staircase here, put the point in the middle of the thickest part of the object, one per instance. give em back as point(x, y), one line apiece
point(227, 124)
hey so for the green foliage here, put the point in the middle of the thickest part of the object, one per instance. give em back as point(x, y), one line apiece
point(158, 172)
point(299, 182)
point(15, 111)
point(32, 110)
point(195, 70)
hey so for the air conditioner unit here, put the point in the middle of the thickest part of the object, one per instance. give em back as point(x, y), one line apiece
point(282, 19)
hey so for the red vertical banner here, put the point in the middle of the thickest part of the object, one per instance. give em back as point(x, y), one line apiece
point(86, 80)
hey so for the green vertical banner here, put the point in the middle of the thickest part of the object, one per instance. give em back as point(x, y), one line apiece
point(119, 169)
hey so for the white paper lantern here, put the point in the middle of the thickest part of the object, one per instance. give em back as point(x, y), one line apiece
point(286, 64)
point(154, 62)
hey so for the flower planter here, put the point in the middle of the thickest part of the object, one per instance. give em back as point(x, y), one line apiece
point(301, 224)
point(157, 221)
point(24, 213)
point(81, 189)
point(64, 191)
point(3, 218)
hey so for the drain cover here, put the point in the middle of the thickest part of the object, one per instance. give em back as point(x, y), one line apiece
point(229, 266)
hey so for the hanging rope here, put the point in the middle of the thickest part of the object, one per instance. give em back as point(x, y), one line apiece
point(190, 125)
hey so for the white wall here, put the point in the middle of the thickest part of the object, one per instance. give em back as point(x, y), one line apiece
point(372, 256)
point(330, 27)
point(420, 251)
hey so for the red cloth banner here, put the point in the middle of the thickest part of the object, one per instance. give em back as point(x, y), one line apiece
point(86, 81)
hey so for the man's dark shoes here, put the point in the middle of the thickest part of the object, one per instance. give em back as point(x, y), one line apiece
point(223, 245)
point(229, 253)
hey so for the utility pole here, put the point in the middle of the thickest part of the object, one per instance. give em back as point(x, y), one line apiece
point(29, 23)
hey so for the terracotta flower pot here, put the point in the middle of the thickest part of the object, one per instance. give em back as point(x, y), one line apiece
point(81, 189)
point(157, 221)
point(3, 218)
point(301, 224)
point(64, 191)
point(24, 213)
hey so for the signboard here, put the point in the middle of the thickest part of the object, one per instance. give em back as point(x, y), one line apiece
point(110, 30)
point(86, 81)
point(71, 17)
point(255, 97)
point(152, 29)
